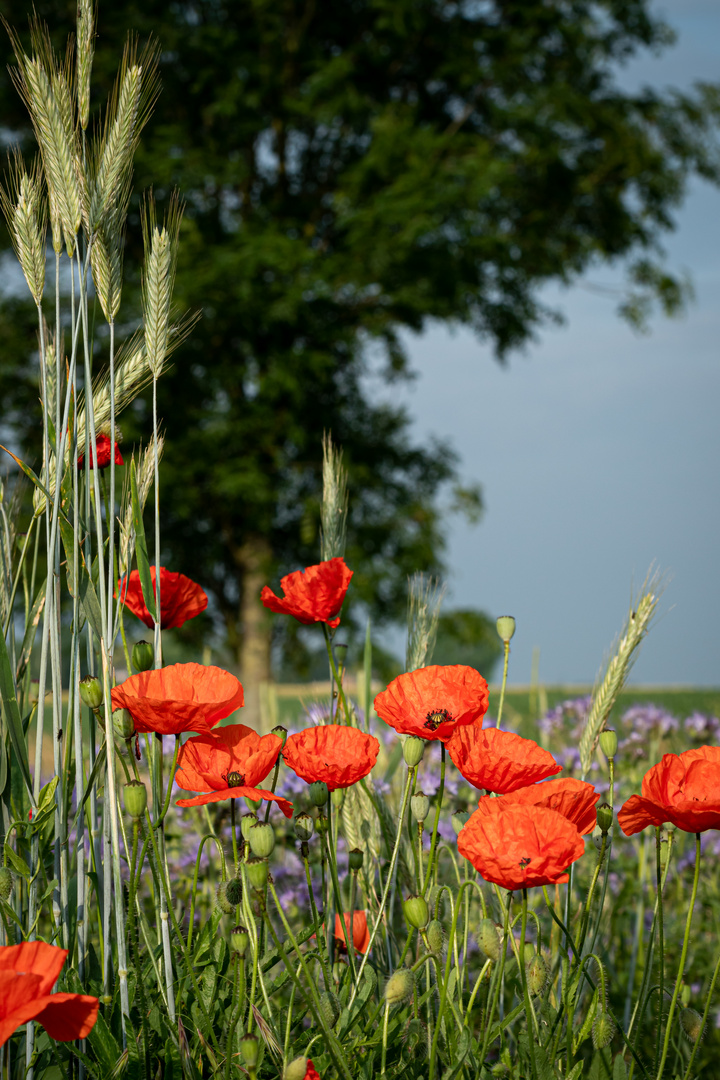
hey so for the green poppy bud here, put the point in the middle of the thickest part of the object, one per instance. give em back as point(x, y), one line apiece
point(296, 1069)
point(416, 912)
point(330, 1008)
point(262, 839)
point(250, 1050)
point(221, 897)
point(603, 1030)
point(6, 882)
point(355, 859)
point(413, 750)
point(435, 935)
point(304, 826)
point(338, 798)
point(135, 797)
point(239, 940)
point(233, 891)
point(691, 1023)
point(257, 871)
point(319, 793)
point(459, 818)
point(685, 992)
point(536, 972)
point(609, 742)
point(123, 724)
point(246, 823)
point(253, 805)
point(399, 986)
point(488, 939)
point(605, 817)
point(143, 656)
point(419, 806)
point(505, 627)
point(281, 732)
point(91, 693)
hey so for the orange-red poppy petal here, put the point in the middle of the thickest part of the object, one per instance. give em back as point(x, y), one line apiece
point(574, 799)
point(499, 761)
point(34, 958)
point(27, 972)
point(206, 760)
point(333, 753)
point(312, 595)
point(180, 598)
point(683, 789)
point(182, 697)
point(68, 1016)
point(433, 701)
point(243, 792)
point(517, 846)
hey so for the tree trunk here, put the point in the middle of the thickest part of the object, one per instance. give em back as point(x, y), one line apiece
point(254, 559)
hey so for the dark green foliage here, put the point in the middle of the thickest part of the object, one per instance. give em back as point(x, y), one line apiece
point(468, 637)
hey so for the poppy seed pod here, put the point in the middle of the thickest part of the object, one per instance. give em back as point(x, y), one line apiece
point(338, 798)
point(605, 818)
point(505, 627)
point(413, 750)
point(250, 1050)
point(281, 733)
point(603, 1030)
point(420, 805)
point(691, 1023)
point(355, 859)
point(435, 935)
point(330, 1008)
point(123, 724)
point(246, 823)
point(399, 986)
point(222, 900)
point(262, 839)
point(257, 872)
point(135, 797)
point(416, 911)
point(6, 882)
point(143, 656)
point(488, 938)
point(318, 793)
point(459, 818)
point(536, 973)
point(296, 1069)
point(233, 891)
point(239, 939)
point(91, 693)
point(304, 826)
point(609, 742)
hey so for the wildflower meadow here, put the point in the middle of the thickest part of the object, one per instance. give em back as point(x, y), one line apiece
point(401, 886)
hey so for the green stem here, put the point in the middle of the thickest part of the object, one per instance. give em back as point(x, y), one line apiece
point(319, 936)
point(196, 874)
point(433, 844)
point(506, 658)
point(661, 942)
point(349, 943)
point(498, 977)
point(383, 1056)
point(716, 972)
point(526, 994)
point(336, 676)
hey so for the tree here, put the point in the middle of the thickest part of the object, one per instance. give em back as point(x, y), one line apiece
point(352, 171)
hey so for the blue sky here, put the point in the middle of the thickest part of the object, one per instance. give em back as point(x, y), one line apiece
point(597, 449)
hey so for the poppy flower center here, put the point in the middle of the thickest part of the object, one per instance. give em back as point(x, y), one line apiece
point(435, 718)
point(234, 779)
point(525, 861)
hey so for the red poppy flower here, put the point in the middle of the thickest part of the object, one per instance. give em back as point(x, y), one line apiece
point(574, 799)
point(182, 697)
point(312, 595)
point(180, 598)
point(499, 761)
point(433, 701)
point(311, 1072)
point(683, 789)
point(102, 443)
point(517, 846)
point(27, 975)
point(333, 753)
point(360, 932)
point(231, 762)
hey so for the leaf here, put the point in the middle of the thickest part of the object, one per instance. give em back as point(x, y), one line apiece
point(30, 630)
point(543, 1065)
point(586, 1026)
point(461, 1051)
point(47, 793)
point(601, 1067)
point(12, 715)
point(619, 1068)
point(141, 553)
point(18, 863)
point(576, 1072)
point(100, 762)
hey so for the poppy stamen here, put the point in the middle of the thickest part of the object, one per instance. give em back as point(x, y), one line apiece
point(436, 717)
point(525, 861)
point(234, 779)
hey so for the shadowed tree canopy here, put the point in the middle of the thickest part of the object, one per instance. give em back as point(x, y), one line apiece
point(352, 171)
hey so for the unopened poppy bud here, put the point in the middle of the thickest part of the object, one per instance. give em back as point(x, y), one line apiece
point(319, 793)
point(399, 986)
point(296, 1069)
point(257, 872)
point(691, 1023)
point(250, 1050)
point(222, 901)
point(413, 750)
point(233, 891)
point(435, 935)
point(536, 973)
point(6, 882)
point(143, 656)
point(253, 805)
point(135, 796)
point(123, 724)
point(685, 992)
point(605, 817)
point(338, 798)
point(304, 826)
point(330, 1008)
point(91, 693)
point(420, 805)
point(416, 911)
point(281, 733)
point(488, 938)
point(603, 1030)
point(355, 859)
point(239, 939)
point(609, 742)
point(262, 839)
point(246, 823)
point(459, 818)
point(505, 627)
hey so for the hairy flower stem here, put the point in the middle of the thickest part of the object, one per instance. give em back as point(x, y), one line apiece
point(585, 918)
point(506, 658)
point(338, 681)
point(349, 943)
point(438, 808)
point(683, 956)
point(233, 832)
point(383, 1057)
point(689, 1071)
point(661, 940)
point(196, 874)
point(319, 936)
point(388, 882)
point(529, 1016)
point(135, 943)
